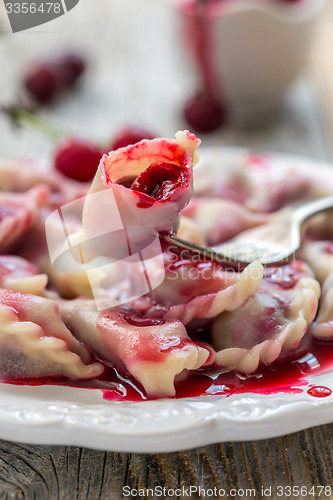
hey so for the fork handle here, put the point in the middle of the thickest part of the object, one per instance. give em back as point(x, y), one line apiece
point(302, 213)
point(313, 207)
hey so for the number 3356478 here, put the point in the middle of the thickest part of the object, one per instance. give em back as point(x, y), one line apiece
point(32, 8)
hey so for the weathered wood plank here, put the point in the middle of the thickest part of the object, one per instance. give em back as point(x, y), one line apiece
point(300, 459)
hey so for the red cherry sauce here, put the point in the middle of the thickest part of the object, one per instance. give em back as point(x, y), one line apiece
point(284, 377)
point(288, 377)
point(158, 182)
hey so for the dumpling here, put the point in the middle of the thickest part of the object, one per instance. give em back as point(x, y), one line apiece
point(322, 327)
point(194, 288)
point(19, 275)
point(35, 250)
point(270, 191)
point(34, 342)
point(20, 176)
point(139, 190)
point(318, 253)
point(114, 227)
point(219, 220)
point(18, 214)
point(271, 323)
point(258, 182)
point(319, 256)
point(153, 351)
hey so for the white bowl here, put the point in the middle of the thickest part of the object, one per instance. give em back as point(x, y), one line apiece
point(259, 47)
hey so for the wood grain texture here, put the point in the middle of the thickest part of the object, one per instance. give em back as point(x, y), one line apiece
point(137, 78)
point(70, 473)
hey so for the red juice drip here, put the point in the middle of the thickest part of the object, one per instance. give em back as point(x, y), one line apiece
point(203, 48)
point(201, 14)
point(145, 201)
point(204, 111)
point(319, 391)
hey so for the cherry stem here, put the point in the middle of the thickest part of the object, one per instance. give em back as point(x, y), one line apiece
point(25, 118)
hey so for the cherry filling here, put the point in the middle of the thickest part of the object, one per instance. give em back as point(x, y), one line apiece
point(285, 276)
point(159, 180)
point(7, 211)
point(142, 322)
point(328, 248)
point(267, 324)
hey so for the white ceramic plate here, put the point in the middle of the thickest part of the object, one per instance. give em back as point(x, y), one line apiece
point(70, 416)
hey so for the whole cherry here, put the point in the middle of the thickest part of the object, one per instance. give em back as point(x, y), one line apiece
point(69, 67)
point(204, 113)
point(77, 158)
point(42, 82)
point(130, 135)
point(45, 80)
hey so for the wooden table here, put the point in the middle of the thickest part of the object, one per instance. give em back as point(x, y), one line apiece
point(138, 75)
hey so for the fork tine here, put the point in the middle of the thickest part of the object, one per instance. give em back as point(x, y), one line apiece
point(245, 255)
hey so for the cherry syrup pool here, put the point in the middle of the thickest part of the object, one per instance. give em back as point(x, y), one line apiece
point(286, 377)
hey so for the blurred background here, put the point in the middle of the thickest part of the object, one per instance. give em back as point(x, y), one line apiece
point(140, 71)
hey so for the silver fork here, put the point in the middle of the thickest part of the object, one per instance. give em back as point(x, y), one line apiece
point(270, 243)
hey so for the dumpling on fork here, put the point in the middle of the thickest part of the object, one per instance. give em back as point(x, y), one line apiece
point(139, 190)
point(137, 193)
